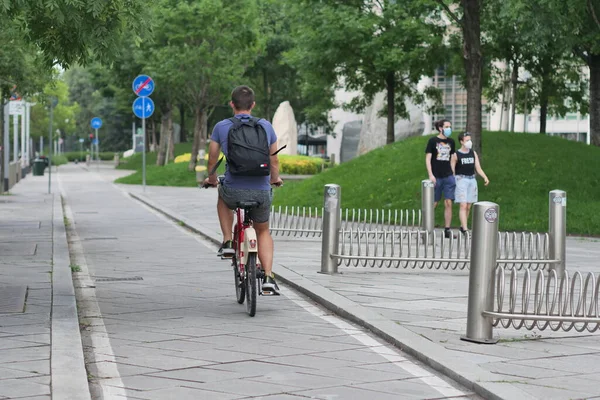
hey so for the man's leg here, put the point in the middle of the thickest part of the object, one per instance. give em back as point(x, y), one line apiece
point(265, 246)
point(225, 219)
point(448, 212)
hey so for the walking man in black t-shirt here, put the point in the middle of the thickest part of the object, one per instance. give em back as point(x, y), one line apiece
point(438, 154)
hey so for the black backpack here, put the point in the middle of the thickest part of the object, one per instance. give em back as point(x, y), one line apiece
point(248, 148)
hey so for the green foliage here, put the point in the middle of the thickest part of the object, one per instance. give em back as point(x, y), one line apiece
point(300, 165)
point(64, 114)
point(521, 175)
point(59, 160)
point(80, 156)
point(365, 47)
point(68, 31)
point(134, 162)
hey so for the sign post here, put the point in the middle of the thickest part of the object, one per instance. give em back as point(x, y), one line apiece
point(96, 124)
point(143, 107)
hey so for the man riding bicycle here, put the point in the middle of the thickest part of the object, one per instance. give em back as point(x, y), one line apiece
point(250, 146)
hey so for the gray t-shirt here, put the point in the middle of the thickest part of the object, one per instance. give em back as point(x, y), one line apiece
point(219, 135)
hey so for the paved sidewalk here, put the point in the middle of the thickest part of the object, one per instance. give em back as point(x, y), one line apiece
point(40, 346)
point(161, 321)
point(424, 312)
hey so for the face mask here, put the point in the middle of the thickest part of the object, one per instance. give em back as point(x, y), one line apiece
point(469, 144)
point(447, 132)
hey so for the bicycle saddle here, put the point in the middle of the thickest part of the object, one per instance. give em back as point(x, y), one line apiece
point(247, 204)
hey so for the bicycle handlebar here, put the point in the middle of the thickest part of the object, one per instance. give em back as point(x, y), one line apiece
point(206, 185)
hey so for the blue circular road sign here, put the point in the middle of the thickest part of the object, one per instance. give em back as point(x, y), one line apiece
point(143, 107)
point(143, 85)
point(96, 123)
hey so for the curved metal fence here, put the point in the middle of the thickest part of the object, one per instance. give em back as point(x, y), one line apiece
point(419, 249)
point(308, 221)
point(570, 302)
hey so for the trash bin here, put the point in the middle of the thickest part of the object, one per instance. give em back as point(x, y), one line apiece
point(38, 167)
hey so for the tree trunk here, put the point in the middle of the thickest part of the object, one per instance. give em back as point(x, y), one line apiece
point(472, 58)
point(182, 134)
point(544, 100)
point(153, 136)
point(164, 135)
point(199, 135)
point(514, 82)
point(267, 90)
point(171, 140)
point(390, 82)
point(594, 64)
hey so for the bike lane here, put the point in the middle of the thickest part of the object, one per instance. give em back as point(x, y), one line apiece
point(160, 319)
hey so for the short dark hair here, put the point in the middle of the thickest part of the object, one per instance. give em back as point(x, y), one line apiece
point(440, 124)
point(242, 98)
point(463, 135)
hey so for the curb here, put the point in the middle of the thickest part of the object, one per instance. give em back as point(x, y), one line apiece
point(67, 365)
point(470, 375)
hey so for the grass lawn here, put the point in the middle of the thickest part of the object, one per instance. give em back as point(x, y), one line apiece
point(522, 169)
point(135, 161)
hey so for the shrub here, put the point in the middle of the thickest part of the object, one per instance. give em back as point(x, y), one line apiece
point(59, 160)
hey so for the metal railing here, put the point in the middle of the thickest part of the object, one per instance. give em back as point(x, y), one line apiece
point(557, 301)
point(421, 250)
point(308, 221)
point(566, 303)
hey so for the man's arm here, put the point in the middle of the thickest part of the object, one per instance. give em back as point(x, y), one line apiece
point(274, 164)
point(214, 149)
point(453, 161)
point(428, 165)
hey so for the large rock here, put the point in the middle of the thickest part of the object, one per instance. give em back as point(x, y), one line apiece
point(374, 128)
point(350, 139)
point(286, 128)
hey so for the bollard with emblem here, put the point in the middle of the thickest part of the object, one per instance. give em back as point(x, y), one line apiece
point(427, 210)
point(484, 247)
point(332, 216)
point(557, 230)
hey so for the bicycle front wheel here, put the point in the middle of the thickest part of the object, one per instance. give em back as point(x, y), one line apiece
point(251, 286)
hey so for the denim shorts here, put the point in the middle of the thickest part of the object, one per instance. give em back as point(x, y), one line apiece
point(231, 196)
point(466, 189)
point(446, 186)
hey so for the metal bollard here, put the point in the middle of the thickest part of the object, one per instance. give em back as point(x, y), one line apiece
point(427, 210)
point(484, 245)
point(557, 229)
point(332, 216)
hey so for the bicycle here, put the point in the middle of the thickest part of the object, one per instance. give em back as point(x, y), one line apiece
point(248, 273)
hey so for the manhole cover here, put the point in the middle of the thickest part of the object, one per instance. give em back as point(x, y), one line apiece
point(18, 249)
point(133, 278)
point(12, 299)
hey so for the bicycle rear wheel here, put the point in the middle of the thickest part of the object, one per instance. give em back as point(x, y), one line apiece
point(251, 287)
point(240, 289)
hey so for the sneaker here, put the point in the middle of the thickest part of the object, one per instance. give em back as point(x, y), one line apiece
point(270, 286)
point(464, 231)
point(447, 234)
point(226, 250)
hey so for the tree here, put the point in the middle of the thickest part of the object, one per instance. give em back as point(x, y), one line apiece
point(466, 14)
point(367, 47)
point(527, 35)
point(204, 52)
point(580, 22)
point(68, 31)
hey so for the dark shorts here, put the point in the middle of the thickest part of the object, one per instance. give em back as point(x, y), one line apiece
point(232, 196)
point(446, 186)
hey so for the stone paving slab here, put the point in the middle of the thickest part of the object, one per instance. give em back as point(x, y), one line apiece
point(179, 332)
point(36, 351)
point(432, 304)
